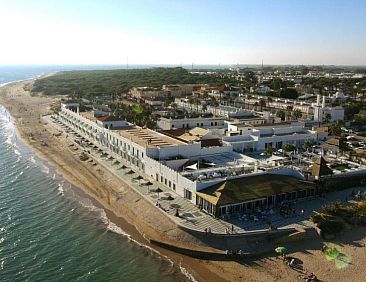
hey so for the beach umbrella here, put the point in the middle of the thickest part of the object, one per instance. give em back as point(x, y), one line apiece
point(281, 250)
point(170, 198)
point(158, 190)
point(139, 177)
point(148, 184)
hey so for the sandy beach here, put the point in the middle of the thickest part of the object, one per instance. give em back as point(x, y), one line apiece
point(138, 218)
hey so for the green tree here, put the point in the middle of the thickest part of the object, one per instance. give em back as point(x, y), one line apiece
point(289, 147)
point(281, 114)
point(262, 103)
point(269, 151)
point(289, 93)
point(335, 129)
point(327, 117)
point(308, 144)
point(297, 114)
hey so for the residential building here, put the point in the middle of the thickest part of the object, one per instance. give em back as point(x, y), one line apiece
point(205, 122)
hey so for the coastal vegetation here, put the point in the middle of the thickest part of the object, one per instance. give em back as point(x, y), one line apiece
point(333, 218)
point(91, 84)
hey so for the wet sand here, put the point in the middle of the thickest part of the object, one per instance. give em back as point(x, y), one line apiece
point(138, 218)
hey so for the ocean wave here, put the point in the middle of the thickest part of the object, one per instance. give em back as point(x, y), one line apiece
point(32, 160)
point(45, 169)
point(60, 190)
point(112, 227)
point(186, 273)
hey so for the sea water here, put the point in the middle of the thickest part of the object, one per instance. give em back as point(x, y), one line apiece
point(50, 233)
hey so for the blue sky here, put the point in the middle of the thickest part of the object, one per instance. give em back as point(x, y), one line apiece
point(178, 31)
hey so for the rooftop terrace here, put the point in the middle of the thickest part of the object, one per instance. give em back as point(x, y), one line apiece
point(148, 137)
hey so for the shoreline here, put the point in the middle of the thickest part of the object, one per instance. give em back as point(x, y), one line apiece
point(136, 233)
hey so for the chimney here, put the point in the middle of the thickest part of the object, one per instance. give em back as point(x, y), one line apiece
point(318, 100)
point(323, 103)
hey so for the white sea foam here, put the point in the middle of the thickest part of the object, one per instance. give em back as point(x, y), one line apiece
point(112, 227)
point(45, 169)
point(32, 159)
point(60, 190)
point(186, 273)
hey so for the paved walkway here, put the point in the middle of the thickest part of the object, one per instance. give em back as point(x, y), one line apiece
point(190, 215)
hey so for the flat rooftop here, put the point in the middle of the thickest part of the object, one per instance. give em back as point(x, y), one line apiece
point(273, 125)
point(148, 137)
point(141, 136)
point(89, 115)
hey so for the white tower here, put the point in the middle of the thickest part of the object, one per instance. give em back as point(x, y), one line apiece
point(318, 112)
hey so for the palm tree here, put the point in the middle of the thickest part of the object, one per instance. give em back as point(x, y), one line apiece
point(289, 147)
point(269, 150)
point(281, 114)
point(327, 117)
point(289, 110)
point(262, 103)
point(308, 144)
point(297, 114)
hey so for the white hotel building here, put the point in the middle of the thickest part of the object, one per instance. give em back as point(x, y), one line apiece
point(184, 167)
point(247, 138)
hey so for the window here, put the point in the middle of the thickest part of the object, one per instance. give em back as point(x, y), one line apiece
point(165, 181)
point(198, 124)
point(172, 125)
point(174, 186)
point(161, 179)
point(201, 123)
point(187, 194)
point(215, 123)
point(211, 123)
point(170, 184)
